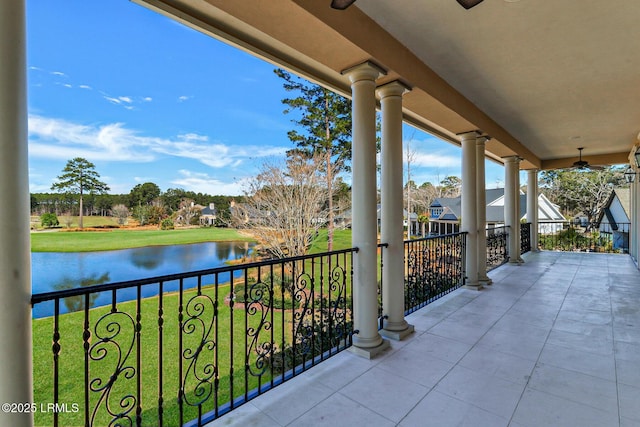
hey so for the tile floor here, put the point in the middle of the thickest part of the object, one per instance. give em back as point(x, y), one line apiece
point(553, 342)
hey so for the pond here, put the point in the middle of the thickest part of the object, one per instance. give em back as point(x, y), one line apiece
point(56, 271)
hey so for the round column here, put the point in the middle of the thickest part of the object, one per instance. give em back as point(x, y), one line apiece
point(481, 211)
point(15, 251)
point(394, 324)
point(366, 340)
point(469, 208)
point(511, 206)
point(532, 207)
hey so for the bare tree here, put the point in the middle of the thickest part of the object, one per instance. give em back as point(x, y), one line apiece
point(188, 211)
point(410, 155)
point(121, 213)
point(285, 206)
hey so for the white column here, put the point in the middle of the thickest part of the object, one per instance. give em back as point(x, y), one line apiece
point(532, 206)
point(367, 341)
point(394, 325)
point(469, 208)
point(634, 247)
point(518, 211)
point(481, 211)
point(511, 214)
point(15, 269)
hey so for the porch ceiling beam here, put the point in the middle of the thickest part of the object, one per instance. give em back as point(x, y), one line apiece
point(597, 160)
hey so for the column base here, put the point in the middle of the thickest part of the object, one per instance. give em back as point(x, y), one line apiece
point(475, 286)
point(398, 335)
point(369, 352)
point(485, 281)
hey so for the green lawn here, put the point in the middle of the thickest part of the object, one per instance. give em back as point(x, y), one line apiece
point(85, 241)
point(341, 240)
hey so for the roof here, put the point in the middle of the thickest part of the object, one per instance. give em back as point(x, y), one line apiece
point(547, 211)
point(623, 197)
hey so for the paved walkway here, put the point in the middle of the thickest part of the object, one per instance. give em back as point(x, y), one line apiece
point(553, 342)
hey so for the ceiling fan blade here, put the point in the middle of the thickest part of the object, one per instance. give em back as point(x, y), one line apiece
point(468, 4)
point(343, 4)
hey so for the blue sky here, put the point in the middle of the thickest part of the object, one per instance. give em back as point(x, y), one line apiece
point(147, 99)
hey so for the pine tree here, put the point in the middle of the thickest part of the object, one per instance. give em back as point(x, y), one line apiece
point(325, 120)
point(79, 177)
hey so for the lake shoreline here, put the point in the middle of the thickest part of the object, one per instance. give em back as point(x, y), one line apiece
point(130, 238)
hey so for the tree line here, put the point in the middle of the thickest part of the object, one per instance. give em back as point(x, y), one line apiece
point(146, 202)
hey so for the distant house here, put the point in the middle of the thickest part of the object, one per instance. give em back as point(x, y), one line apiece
point(445, 213)
point(614, 218)
point(208, 215)
point(412, 222)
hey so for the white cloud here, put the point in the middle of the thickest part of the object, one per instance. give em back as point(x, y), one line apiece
point(85, 87)
point(125, 99)
point(202, 182)
point(62, 139)
point(58, 73)
point(184, 98)
point(113, 100)
point(147, 99)
point(193, 137)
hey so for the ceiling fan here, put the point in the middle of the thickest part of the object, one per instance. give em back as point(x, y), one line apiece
point(583, 164)
point(343, 4)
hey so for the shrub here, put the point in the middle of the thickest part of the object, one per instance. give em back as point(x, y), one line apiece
point(49, 220)
point(167, 224)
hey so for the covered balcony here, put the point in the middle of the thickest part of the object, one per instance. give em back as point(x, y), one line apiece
point(549, 339)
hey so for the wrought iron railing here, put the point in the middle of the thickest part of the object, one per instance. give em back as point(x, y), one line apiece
point(497, 246)
point(525, 237)
point(576, 237)
point(206, 343)
point(434, 266)
point(381, 248)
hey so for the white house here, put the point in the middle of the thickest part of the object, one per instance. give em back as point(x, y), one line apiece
point(444, 213)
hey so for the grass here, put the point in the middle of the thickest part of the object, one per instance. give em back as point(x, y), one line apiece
point(341, 240)
point(87, 241)
point(72, 221)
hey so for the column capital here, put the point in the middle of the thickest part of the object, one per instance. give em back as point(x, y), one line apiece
point(482, 139)
point(472, 134)
point(512, 159)
point(365, 71)
point(394, 88)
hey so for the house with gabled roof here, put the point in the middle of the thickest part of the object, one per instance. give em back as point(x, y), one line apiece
point(614, 218)
point(445, 213)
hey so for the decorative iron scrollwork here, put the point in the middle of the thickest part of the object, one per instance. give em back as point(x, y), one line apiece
point(338, 308)
point(115, 336)
point(200, 373)
point(258, 301)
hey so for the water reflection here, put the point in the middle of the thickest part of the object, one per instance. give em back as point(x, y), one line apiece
point(148, 258)
point(54, 271)
point(77, 303)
